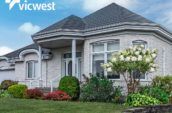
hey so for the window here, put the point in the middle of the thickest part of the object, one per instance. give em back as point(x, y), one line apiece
point(32, 69)
point(101, 53)
point(140, 42)
point(136, 73)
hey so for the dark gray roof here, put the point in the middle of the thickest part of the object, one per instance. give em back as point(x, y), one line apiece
point(15, 54)
point(111, 14)
point(71, 22)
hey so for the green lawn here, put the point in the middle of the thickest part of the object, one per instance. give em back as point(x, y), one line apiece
point(41, 106)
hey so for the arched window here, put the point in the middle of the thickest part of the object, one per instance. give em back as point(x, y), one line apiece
point(32, 69)
point(139, 42)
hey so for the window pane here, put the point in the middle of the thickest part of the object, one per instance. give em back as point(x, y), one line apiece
point(138, 75)
point(111, 46)
point(111, 75)
point(98, 47)
point(30, 69)
point(69, 55)
point(97, 68)
point(139, 43)
point(36, 69)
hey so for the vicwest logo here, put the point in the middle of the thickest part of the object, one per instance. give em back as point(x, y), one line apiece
point(31, 6)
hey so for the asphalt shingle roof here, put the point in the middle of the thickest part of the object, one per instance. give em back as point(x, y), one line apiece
point(111, 14)
point(15, 54)
point(71, 22)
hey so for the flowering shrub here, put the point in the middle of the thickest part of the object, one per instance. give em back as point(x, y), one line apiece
point(33, 94)
point(134, 59)
point(57, 95)
point(141, 100)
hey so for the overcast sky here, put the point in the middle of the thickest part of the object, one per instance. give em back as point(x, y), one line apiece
point(16, 27)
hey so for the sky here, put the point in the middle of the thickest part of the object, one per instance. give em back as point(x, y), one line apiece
point(16, 26)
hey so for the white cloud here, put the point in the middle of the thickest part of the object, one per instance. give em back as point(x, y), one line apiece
point(4, 50)
point(29, 28)
point(93, 5)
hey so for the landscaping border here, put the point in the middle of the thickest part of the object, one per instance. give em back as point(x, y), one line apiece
point(150, 109)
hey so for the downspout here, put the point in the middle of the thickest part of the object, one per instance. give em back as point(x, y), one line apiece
point(163, 53)
point(40, 62)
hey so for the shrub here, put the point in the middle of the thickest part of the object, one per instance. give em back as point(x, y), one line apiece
point(118, 97)
point(70, 85)
point(141, 100)
point(33, 94)
point(7, 83)
point(4, 94)
point(163, 82)
point(157, 93)
point(97, 89)
point(57, 95)
point(17, 91)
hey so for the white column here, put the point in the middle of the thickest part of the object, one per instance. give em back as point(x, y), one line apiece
point(40, 62)
point(73, 57)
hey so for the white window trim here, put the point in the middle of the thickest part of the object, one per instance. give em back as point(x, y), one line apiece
point(105, 53)
point(27, 70)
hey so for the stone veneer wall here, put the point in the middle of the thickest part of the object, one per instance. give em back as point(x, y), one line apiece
point(151, 109)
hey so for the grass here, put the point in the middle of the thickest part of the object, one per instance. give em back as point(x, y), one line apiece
point(42, 106)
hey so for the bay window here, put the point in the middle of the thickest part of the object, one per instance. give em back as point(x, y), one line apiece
point(101, 53)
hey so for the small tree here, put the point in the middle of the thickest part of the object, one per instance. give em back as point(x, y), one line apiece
point(131, 60)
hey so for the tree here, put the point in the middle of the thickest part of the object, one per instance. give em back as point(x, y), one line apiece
point(131, 60)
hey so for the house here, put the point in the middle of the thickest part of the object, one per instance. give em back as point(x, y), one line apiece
point(77, 46)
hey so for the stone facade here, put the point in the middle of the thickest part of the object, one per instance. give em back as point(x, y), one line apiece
point(151, 109)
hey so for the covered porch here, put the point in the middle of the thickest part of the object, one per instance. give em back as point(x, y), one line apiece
point(71, 59)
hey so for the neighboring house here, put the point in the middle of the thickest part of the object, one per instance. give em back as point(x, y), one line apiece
point(77, 46)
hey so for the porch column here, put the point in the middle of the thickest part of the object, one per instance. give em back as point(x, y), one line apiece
point(40, 63)
point(73, 57)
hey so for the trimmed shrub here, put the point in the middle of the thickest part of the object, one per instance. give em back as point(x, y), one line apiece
point(17, 91)
point(97, 89)
point(157, 93)
point(33, 94)
point(57, 96)
point(70, 85)
point(141, 100)
point(7, 83)
point(163, 82)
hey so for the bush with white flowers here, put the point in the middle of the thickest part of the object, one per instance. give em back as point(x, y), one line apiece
point(130, 60)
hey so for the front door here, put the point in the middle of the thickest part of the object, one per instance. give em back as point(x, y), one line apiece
point(67, 66)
